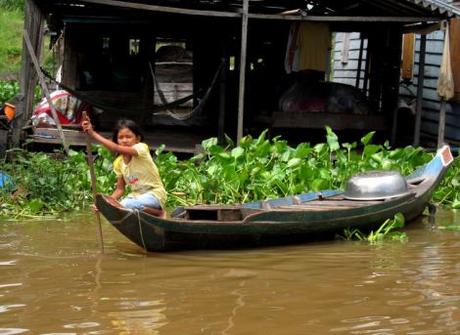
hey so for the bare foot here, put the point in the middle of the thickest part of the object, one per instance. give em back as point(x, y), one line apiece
point(113, 202)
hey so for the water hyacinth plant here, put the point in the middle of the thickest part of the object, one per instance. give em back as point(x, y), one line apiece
point(259, 168)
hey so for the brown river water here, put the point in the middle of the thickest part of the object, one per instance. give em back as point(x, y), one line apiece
point(53, 280)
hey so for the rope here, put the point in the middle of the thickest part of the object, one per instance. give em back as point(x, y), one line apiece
point(131, 212)
point(140, 228)
point(123, 218)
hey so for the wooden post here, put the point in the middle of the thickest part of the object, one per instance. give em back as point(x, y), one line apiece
point(33, 23)
point(42, 82)
point(360, 61)
point(366, 69)
point(420, 82)
point(222, 102)
point(244, 38)
point(442, 123)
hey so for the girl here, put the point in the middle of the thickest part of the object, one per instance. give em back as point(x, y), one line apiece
point(134, 167)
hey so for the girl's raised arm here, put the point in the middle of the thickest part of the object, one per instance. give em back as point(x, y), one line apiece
point(112, 146)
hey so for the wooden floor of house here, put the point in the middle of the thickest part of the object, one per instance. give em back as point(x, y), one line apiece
point(178, 141)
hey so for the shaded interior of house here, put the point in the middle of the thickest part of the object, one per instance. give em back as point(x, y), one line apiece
point(179, 76)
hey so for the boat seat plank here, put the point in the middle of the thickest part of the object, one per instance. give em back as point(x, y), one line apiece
point(339, 203)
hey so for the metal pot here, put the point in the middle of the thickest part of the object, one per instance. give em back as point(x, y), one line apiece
point(376, 185)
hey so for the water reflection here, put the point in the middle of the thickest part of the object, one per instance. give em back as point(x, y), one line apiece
point(54, 281)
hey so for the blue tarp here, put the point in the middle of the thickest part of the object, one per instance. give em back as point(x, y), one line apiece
point(5, 181)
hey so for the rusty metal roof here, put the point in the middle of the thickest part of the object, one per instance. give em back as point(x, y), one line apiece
point(437, 9)
point(442, 7)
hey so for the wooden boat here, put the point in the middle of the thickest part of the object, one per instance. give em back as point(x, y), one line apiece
point(279, 221)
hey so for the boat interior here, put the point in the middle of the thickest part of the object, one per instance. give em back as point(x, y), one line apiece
point(237, 213)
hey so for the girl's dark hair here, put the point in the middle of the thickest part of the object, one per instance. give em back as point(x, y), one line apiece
point(131, 125)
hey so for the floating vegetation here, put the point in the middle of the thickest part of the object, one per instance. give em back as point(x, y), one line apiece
point(386, 232)
point(259, 168)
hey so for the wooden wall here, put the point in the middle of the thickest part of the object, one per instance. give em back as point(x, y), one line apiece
point(346, 73)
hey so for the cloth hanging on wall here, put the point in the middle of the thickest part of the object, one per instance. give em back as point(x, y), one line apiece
point(445, 86)
point(454, 27)
point(308, 47)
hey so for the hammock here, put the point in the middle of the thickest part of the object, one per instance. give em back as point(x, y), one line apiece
point(165, 108)
point(155, 109)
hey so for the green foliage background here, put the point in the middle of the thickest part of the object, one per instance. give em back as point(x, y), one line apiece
point(259, 168)
point(11, 25)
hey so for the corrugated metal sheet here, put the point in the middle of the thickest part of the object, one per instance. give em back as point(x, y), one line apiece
point(396, 8)
point(438, 5)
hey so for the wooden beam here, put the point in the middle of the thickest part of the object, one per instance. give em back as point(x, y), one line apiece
point(42, 82)
point(162, 9)
point(212, 13)
point(244, 40)
point(33, 23)
point(420, 81)
point(331, 18)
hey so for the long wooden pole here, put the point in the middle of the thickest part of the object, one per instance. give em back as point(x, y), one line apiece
point(90, 157)
point(442, 123)
point(244, 40)
point(45, 90)
point(420, 83)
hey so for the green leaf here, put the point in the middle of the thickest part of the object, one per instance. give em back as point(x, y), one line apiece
point(371, 149)
point(35, 205)
point(294, 162)
point(237, 152)
point(367, 138)
point(332, 140)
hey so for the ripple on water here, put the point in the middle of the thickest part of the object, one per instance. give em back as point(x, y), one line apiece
point(12, 331)
point(7, 308)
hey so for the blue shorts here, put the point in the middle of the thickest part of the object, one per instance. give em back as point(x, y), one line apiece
point(141, 201)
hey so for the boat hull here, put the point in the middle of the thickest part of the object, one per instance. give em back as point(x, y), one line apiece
point(287, 220)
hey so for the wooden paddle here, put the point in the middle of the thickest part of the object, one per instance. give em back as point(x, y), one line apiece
point(90, 157)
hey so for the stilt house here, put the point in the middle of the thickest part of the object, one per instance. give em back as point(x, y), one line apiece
point(422, 59)
point(191, 69)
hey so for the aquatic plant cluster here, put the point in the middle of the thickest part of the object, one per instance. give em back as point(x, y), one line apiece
point(259, 168)
point(8, 89)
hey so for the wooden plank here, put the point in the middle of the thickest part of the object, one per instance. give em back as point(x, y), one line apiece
point(336, 121)
point(182, 142)
point(407, 67)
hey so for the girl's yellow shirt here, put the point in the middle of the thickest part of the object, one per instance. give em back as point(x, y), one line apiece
point(141, 174)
